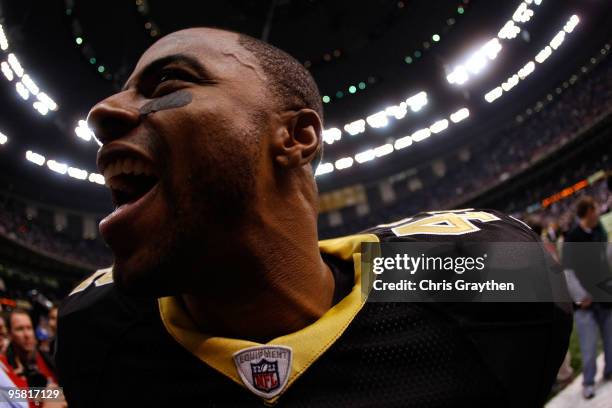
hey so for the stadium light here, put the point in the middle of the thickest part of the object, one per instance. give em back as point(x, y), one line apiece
point(29, 83)
point(540, 57)
point(344, 163)
point(15, 65)
point(493, 94)
point(421, 134)
point(398, 144)
point(57, 167)
point(402, 142)
point(22, 90)
point(475, 63)
point(3, 40)
point(543, 55)
point(83, 131)
point(41, 107)
point(35, 158)
point(571, 24)
point(509, 31)
point(416, 102)
point(96, 178)
point(383, 150)
point(364, 156)
point(439, 126)
point(329, 135)
point(510, 83)
point(356, 127)
point(3, 138)
point(397, 111)
point(458, 76)
point(50, 103)
point(7, 71)
point(492, 48)
point(324, 168)
point(522, 14)
point(378, 120)
point(460, 115)
point(26, 86)
point(557, 40)
point(527, 69)
point(76, 173)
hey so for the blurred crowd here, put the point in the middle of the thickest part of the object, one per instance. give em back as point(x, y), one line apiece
point(557, 219)
point(67, 245)
point(26, 348)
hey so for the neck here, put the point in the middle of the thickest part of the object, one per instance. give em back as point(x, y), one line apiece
point(584, 225)
point(23, 356)
point(279, 283)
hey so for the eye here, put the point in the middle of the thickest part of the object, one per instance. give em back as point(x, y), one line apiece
point(170, 74)
point(167, 77)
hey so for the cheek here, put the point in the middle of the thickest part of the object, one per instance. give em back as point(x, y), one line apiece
point(207, 143)
point(210, 140)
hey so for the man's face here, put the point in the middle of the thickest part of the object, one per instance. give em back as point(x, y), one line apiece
point(22, 333)
point(191, 115)
point(3, 332)
point(53, 321)
point(592, 217)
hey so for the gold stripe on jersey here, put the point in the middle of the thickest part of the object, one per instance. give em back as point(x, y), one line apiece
point(103, 275)
point(308, 344)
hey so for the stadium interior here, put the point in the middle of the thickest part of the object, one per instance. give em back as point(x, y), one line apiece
point(428, 106)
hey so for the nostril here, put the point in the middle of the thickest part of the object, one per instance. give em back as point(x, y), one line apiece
point(109, 122)
point(110, 128)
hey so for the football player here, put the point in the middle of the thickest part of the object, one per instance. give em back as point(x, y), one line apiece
point(220, 293)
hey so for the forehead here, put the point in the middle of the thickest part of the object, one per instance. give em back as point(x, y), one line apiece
point(218, 51)
point(20, 318)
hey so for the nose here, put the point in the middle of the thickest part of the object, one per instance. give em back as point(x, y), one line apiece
point(113, 118)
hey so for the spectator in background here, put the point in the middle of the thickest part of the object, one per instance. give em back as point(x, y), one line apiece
point(584, 265)
point(46, 331)
point(32, 367)
point(4, 340)
point(566, 372)
point(6, 383)
point(52, 321)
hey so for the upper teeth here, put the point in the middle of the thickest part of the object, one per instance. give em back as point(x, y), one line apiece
point(127, 166)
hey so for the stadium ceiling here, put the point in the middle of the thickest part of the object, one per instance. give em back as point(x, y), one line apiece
point(365, 56)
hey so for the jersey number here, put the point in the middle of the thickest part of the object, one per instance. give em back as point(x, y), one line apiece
point(457, 222)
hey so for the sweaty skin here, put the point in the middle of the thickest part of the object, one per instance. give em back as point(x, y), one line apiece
point(173, 100)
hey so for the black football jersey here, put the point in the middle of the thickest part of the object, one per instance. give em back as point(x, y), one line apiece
point(119, 351)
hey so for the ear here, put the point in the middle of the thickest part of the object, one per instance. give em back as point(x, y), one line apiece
point(296, 141)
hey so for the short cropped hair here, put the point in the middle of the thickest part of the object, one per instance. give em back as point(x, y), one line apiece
point(9, 318)
point(290, 82)
point(585, 204)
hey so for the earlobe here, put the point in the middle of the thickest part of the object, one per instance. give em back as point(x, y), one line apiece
point(296, 143)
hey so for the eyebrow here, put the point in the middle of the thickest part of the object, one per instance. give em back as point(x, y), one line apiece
point(183, 59)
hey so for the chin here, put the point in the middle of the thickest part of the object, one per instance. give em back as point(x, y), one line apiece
point(135, 276)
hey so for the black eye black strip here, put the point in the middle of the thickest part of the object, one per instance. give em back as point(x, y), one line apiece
point(173, 100)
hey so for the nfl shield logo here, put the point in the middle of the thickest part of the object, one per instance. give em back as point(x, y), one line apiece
point(265, 369)
point(265, 375)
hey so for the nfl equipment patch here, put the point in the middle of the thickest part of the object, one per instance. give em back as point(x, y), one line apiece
point(264, 369)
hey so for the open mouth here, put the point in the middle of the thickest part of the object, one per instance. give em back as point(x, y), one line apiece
point(129, 179)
